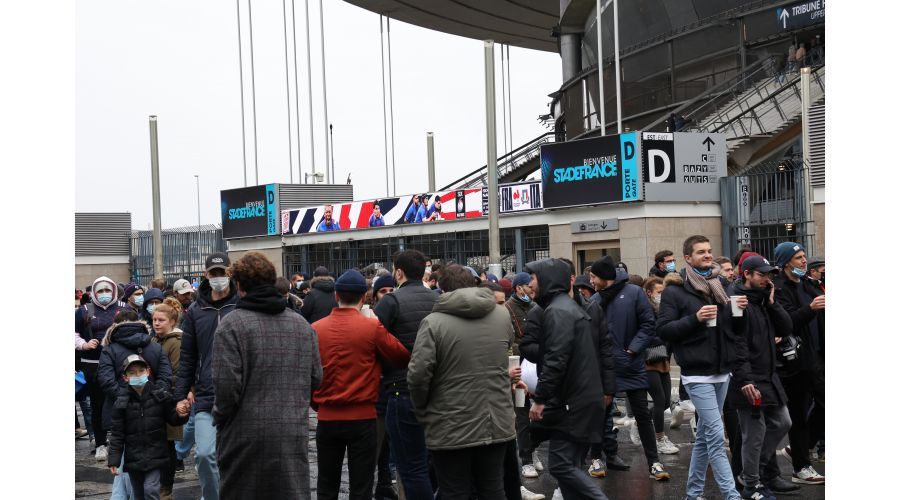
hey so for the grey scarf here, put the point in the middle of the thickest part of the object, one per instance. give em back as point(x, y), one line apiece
point(709, 286)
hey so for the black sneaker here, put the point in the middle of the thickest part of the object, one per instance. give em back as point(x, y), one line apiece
point(758, 492)
point(781, 485)
point(615, 462)
point(385, 492)
point(179, 466)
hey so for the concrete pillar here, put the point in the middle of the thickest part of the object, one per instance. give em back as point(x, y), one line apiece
point(570, 51)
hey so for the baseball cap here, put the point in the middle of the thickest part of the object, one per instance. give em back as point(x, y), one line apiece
point(218, 260)
point(758, 264)
point(182, 286)
point(131, 359)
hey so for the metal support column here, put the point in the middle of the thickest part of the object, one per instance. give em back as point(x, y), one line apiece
point(520, 250)
point(807, 181)
point(157, 223)
point(618, 67)
point(429, 139)
point(602, 98)
point(491, 132)
point(672, 72)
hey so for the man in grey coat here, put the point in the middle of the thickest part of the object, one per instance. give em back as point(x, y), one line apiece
point(265, 366)
point(460, 387)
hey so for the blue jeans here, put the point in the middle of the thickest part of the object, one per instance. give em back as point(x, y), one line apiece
point(709, 448)
point(121, 489)
point(408, 444)
point(183, 447)
point(207, 468)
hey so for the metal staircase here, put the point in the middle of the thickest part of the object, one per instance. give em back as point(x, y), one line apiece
point(511, 167)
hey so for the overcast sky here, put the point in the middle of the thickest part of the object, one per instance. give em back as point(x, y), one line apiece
point(179, 60)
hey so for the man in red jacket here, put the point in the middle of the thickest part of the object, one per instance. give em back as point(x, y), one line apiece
point(350, 346)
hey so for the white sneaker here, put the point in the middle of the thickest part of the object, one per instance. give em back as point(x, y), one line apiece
point(597, 468)
point(808, 475)
point(623, 421)
point(634, 434)
point(557, 495)
point(529, 471)
point(677, 417)
point(101, 455)
point(536, 460)
point(786, 453)
point(666, 447)
point(530, 495)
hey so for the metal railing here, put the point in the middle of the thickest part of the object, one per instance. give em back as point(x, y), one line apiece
point(506, 164)
point(184, 252)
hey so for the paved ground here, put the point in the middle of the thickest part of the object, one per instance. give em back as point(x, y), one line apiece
point(93, 480)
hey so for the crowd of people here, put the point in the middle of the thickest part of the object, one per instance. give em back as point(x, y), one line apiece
point(440, 380)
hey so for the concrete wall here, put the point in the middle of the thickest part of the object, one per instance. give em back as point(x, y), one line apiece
point(639, 239)
point(85, 274)
point(273, 254)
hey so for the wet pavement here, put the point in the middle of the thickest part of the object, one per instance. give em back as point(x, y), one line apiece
point(94, 481)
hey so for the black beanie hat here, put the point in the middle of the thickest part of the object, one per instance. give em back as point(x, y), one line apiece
point(604, 268)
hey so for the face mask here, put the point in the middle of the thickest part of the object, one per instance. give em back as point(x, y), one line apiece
point(219, 284)
point(798, 272)
point(525, 298)
point(138, 381)
point(139, 300)
point(657, 299)
point(151, 308)
point(670, 267)
point(703, 272)
point(104, 298)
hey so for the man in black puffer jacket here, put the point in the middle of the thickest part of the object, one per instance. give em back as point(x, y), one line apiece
point(756, 390)
point(569, 398)
point(695, 318)
point(320, 301)
point(140, 414)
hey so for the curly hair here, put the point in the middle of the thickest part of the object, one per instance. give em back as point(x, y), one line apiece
point(252, 270)
point(174, 304)
point(169, 310)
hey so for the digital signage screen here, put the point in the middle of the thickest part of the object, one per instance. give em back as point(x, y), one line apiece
point(250, 211)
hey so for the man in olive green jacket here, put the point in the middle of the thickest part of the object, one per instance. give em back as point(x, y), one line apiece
point(460, 387)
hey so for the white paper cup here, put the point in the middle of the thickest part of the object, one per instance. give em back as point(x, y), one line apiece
point(514, 361)
point(711, 322)
point(735, 310)
point(367, 312)
point(520, 398)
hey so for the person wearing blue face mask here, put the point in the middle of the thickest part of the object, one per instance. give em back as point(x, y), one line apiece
point(91, 322)
point(151, 299)
point(134, 296)
point(803, 376)
point(663, 264)
point(138, 439)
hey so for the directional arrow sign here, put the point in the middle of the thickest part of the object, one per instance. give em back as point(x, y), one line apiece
point(603, 225)
point(783, 16)
point(708, 143)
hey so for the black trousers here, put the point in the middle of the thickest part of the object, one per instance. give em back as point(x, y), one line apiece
point(733, 431)
point(98, 398)
point(566, 464)
point(167, 474)
point(462, 471)
point(358, 439)
point(661, 393)
point(511, 481)
point(523, 433)
point(799, 390)
point(610, 444)
point(638, 400)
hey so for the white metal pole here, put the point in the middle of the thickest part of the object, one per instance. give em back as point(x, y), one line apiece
point(618, 69)
point(391, 102)
point(297, 94)
point(287, 91)
point(602, 103)
point(312, 140)
point(503, 96)
point(509, 96)
point(805, 103)
point(241, 73)
point(490, 93)
point(253, 91)
point(328, 178)
point(429, 146)
point(157, 223)
point(199, 257)
point(387, 178)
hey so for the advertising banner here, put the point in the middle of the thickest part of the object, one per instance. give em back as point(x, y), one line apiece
point(683, 166)
point(519, 197)
point(391, 211)
point(250, 211)
point(591, 171)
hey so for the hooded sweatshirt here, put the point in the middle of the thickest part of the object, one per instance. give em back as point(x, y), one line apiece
point(122, 340)
point(93, 319)
point(152, 294)
point(457, 375)
point(320, 301)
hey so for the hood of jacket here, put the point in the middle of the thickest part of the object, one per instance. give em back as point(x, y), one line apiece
point(131, 334)
point(152, 294)
point(115, 292)
point(204, 293)
point(323, 283)
point(174, 334)
point(621, 275)
point(470, 303)
point(553, 278)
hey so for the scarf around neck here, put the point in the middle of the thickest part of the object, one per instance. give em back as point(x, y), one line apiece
point(608, 294)
point(709, 286)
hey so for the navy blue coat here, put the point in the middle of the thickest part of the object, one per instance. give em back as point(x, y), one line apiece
point(199, 327)
point(632, 325)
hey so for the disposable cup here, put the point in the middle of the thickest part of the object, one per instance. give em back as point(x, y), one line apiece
point(711, 322)
point(735, 310)
point(520, 398)
point(514, 361)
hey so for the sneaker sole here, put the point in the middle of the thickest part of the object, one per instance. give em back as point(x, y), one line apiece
point(668, 452)
point(597, 474)
point(661, 477)
point(529, 476)
point(797, 480)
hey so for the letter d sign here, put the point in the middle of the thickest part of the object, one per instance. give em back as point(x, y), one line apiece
point(657, 158)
